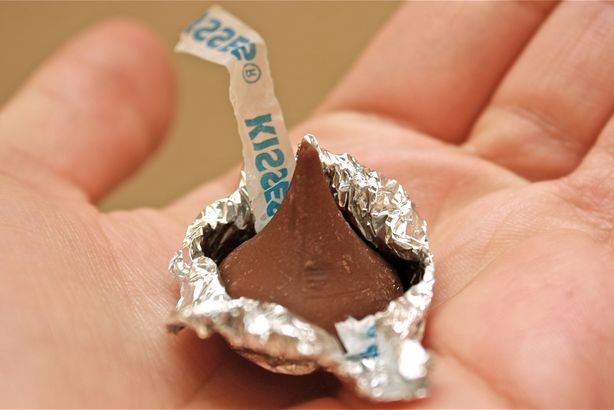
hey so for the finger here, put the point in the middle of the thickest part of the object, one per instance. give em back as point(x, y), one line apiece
point(552, 104)
point(436, 64)
point(92, 113)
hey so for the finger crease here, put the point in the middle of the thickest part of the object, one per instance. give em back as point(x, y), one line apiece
point(548, 128)
point(53, 176)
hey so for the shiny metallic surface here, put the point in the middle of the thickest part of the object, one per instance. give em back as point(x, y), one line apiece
point(275, 338)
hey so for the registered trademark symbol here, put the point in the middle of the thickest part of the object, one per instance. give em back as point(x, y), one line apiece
point(251, 73)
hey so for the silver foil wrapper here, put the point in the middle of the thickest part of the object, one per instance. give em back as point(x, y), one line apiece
point(382, 358)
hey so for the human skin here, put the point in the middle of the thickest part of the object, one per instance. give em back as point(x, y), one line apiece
point(496, 117)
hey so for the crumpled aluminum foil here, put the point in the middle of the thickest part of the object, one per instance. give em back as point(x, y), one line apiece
point(275, 338)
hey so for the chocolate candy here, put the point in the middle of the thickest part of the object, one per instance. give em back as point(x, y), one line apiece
point(309, 259)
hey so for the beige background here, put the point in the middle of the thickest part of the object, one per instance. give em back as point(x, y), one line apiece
point(311, 45)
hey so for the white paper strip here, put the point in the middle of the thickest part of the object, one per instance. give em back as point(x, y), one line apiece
point(221, 38)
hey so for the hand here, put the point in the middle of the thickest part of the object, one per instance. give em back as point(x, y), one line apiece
point(496, 117)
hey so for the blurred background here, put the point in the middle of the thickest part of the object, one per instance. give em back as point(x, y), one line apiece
point(311, 45)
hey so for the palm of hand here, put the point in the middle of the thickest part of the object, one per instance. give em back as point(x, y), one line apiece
point(520, 315)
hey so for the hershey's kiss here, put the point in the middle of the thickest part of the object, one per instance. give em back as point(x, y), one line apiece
point(309, 259)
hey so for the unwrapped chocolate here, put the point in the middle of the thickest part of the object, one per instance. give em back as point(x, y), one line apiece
point(309, 259)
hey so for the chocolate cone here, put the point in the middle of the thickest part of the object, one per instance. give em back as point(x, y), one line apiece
point(309, 259)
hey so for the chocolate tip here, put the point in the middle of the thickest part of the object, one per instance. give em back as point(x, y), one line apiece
point(305, 149)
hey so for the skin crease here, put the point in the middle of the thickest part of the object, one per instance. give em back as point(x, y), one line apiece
point(523, 241)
